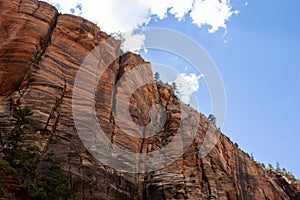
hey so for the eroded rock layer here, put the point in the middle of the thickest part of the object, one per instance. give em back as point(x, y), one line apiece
point(41, 52)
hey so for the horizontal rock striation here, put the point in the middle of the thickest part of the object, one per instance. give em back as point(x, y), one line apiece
point(41, 53)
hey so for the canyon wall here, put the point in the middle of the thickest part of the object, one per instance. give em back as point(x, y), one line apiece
point(41, 52)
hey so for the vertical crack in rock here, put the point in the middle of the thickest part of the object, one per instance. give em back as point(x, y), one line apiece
point(53, 114)
point(45, 42)
point(236, 174)
point(205, 179)
point(144, 184)
point(19, 6)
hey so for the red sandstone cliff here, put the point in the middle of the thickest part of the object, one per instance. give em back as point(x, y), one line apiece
point(40, 54)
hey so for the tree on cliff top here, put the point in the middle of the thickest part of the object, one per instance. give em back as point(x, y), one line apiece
point(157, 77)
point(212, 118)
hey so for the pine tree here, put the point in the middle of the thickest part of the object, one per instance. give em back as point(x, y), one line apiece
point(270, 166)
point(212, 118)
point(251, 156)
point(278, 169)
point(157, 77)
point(174, 88)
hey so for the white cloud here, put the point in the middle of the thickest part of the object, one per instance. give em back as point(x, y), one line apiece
point(133, 42)
point(159, 8)
point(180, 8)
point(111, 16)
point(126, 16)
point(187, 84)
point(214, 13)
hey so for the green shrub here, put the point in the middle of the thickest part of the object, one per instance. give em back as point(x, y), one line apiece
point(42, 179)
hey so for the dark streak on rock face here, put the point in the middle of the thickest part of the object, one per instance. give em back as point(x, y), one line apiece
point(40, 54)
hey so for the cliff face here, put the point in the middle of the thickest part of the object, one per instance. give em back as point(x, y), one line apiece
point(41, 52)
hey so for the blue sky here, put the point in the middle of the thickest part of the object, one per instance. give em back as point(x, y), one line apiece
point(260, 67)
point(259, 61)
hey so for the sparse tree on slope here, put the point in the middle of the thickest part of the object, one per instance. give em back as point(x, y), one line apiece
point(157, 77)
point(212, 118)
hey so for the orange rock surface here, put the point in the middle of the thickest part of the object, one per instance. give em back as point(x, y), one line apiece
point(41, 52)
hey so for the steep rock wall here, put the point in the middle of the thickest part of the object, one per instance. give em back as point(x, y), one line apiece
point(41, 52)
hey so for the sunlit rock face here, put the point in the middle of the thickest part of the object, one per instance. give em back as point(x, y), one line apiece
point(41, 52)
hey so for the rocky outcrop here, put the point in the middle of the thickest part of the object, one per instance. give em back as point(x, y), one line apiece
point(41, 52)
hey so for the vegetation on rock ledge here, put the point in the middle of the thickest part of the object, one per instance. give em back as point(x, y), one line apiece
point(42, 179)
